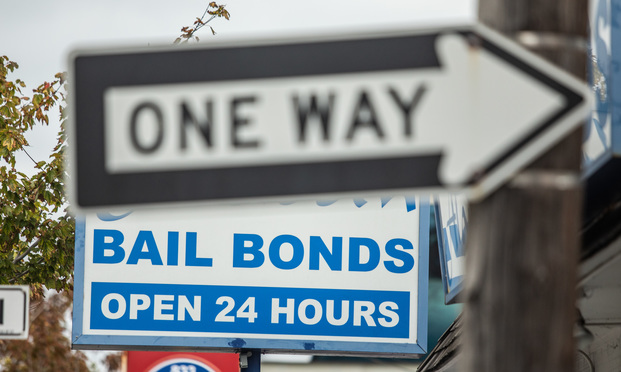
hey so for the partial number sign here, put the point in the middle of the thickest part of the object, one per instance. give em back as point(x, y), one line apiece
point(339, 115)
point(349, 276)
point(451, 224)
point(14, 307)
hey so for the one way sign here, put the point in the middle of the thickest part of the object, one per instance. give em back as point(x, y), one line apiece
point(447, 108)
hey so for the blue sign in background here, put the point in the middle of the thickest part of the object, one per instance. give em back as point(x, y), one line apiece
point(604, 73)
point(451, 228)
point(612, 16)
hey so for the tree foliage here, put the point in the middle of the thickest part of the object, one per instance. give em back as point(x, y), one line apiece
point(36, 232)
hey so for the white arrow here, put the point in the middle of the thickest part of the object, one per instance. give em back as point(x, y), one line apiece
point(496, 105)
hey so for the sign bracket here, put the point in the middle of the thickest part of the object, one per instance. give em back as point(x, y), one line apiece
point(250, 360)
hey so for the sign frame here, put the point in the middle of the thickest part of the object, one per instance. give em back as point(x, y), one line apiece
point(280, 344)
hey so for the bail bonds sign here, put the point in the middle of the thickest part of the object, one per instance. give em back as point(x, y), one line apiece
point(347, 276)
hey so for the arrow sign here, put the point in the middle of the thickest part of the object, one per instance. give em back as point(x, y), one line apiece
point(391, 113)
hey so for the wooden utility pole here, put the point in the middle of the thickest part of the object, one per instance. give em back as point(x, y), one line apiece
point(523, 240)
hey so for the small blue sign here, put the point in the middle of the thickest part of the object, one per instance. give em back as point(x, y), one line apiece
point(451, 221)
point(602, 136)
point(613, 18)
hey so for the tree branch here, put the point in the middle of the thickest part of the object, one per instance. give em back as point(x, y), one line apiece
point(13, 280)
point(32, 246)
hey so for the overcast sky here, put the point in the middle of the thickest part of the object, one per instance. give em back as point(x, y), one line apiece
point(38, 34)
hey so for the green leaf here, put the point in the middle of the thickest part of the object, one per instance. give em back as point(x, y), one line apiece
point(37, 99)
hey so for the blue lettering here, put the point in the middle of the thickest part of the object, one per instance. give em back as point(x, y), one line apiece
point(240, 250)
point(172, 256)
point(287, 252)
point(298, 252)
point(152, 254)
point(100, 246)
point(334, 259)
point(406, 258)
point(354, 254)
point(190, 252)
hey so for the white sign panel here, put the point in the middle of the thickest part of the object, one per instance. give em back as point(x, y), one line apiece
point(316, 277)
point(14, 301)
point(345, 115)
point(350, 116)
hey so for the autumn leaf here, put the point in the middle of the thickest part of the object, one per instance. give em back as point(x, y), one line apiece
point(187, 33)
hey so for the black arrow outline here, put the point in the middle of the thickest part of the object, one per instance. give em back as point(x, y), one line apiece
point(93, 73)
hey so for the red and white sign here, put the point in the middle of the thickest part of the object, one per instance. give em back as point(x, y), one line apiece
point(153, 361)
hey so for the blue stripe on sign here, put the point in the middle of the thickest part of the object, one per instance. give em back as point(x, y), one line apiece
point(253, 310)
